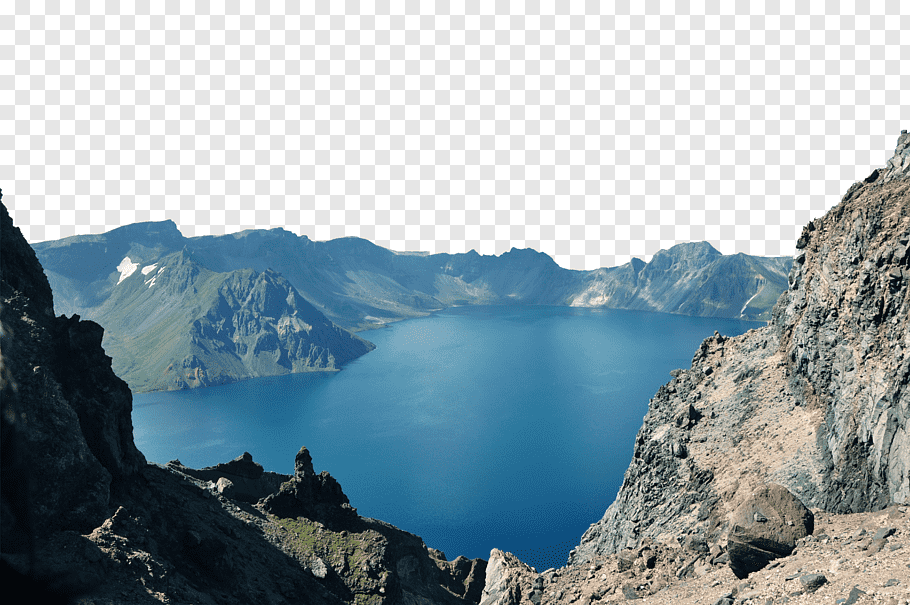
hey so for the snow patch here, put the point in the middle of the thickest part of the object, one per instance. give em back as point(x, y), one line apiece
point(149, 269)
point(151, 282)
point(743, 310)
point(126, 268)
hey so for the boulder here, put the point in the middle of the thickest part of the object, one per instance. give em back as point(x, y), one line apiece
point(812, 582)
point(765, 527)
point(505, 577)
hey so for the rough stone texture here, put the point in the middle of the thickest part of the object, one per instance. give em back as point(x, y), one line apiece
point(505, 577)
point(462, 576)
point(899, 165)
point(668, 574)
point(83, 514)
point(67, 429)
point(306, 494)
point(766, 527)
point(816, 402)
point(813, 581)
point(249, 482)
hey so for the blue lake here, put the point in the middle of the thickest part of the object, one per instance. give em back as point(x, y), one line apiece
point(474, 428)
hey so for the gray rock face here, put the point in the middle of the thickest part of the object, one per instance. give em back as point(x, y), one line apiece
point(504, 578)
point(817, 401)
point(812, 582)
point(67, 431)
point(461, 576)
point(899, 165)
point(243, 478)
point(83, 514)
point(766, 527)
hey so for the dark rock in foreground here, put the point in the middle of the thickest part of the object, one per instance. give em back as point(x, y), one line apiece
point(83, 514)
point(766, 527)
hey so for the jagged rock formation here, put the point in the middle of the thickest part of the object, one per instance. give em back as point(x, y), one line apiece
point(850, 559)
point(817, 401)
point(83, 514)
point(174, 324)
point(55, 377)
point(307, 494)
point(240, 479)
point(690, 279)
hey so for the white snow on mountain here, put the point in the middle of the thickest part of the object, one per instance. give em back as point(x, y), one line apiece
point(126, 268)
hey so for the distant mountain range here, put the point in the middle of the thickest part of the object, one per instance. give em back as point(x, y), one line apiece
point(185, 312)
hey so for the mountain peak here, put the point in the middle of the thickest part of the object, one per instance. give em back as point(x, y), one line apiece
point(693, 249)
point(165, 231)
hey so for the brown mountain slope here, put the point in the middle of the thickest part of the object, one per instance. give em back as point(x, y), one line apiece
point(817, 402)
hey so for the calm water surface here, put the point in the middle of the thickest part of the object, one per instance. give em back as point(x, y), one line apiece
point(474, 428)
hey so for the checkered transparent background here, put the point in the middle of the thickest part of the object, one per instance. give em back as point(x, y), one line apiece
point(592, 131)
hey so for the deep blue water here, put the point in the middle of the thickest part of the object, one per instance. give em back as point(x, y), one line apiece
point(474, 428)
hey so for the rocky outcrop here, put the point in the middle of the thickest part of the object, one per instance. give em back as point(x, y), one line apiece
point(860, 556)
point(240, 479)
point(355, 558)
point(309, 495)
point(84, 515)
point(816, 402)
point(462, 576)
point(766, 527)
point(66, 416)
point(508, 580)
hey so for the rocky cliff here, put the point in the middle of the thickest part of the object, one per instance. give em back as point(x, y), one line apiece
point(817, 401)
point(174, 324)
point(84, 515)
point(809, 411)
point(56, 378)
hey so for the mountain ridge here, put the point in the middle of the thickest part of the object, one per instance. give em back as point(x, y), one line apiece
point(356, 285)
point(175, 324)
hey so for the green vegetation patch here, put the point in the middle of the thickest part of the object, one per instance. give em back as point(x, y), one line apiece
point(357, 558)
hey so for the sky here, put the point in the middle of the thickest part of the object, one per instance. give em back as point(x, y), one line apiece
point(592, 131)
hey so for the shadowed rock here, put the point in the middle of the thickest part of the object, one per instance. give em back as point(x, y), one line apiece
point(249, 482)
point(766, 527)
point(316, 497)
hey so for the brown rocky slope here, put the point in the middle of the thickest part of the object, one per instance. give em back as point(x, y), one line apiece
point(816, 402)
point(84, 516)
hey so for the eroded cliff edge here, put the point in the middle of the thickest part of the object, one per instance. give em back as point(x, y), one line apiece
point(817, 401)
point(85, 516)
